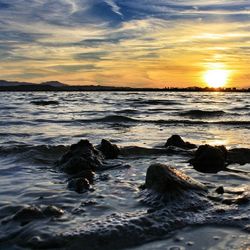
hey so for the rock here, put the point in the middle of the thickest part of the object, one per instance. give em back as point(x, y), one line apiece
point(82, 156)
point(31, 213)
point(109, 150)
point(220, 190)
point(239, 155)
point(28, 214)
point(79, 185)
point(76, 165)
point(209, 159)
point(53, 211)
point(87, 174)
point(177, 141)
point(163, 178)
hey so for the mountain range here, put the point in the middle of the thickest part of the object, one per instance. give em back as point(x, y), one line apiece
point(4, 83)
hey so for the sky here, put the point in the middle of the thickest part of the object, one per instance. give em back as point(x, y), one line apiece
point(137, 43)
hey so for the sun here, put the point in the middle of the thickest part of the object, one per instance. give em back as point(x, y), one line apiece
point(216, 78)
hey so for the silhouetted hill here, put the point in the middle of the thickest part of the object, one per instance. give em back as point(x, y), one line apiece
point(54, 84)
point(58, 86)
point(4, 83)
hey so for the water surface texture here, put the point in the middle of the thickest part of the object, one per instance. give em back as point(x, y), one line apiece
point(37, 128)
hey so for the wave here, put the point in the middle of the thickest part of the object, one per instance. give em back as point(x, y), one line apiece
point(44, 103)
point(126, 119)
point(128, 111)
point(203, 113)
point(241, 108)
point(43, 154)
point(159, 102)
point(110, 118)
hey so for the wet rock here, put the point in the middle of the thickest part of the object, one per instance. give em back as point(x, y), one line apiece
point(209, 159)
point(82, 156)
point(109, 150)
point(87, 174)
point(163, 178)
point(29, 214)
point(79, 185)
point(53, 211)
point(76, 165)
point(220, 190)
point(177, 141)
point(239, 155)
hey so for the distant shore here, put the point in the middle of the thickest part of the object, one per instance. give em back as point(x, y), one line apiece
point(16, 86)
point(42, 88)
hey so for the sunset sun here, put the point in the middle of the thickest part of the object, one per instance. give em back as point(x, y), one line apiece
point(216, 78)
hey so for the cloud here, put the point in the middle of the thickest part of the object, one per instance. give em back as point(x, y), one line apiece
point(121, 40)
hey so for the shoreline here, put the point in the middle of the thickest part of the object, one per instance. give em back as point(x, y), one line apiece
point(73, 89)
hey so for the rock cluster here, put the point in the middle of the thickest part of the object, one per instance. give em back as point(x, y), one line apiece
point(83, 160)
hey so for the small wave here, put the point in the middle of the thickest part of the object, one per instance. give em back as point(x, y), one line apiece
point(126, 119)
point(44, 154)
point(241, 108)
point(44, 103)
point(203, 113)
point(128, 111)
point(14, 134)
point(111, 118)
point(159, 102)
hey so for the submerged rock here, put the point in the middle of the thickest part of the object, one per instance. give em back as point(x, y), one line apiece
point(163, 178)
point(220, 190)
point(79, 185)
point(109, 150)
point(53, 211)
point(31, 213)
point(209, 159)
point(177, 141)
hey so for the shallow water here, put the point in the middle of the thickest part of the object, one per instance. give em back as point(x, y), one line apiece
point(37, 128)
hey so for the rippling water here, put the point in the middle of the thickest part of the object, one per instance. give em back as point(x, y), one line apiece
point(37, 128)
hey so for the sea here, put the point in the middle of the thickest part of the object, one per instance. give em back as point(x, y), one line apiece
point(37, 128)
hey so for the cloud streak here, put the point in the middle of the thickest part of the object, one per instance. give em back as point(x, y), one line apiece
point(149, 43)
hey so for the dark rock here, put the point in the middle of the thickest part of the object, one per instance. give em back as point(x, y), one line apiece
point(29, 214)
point(239, 155)
point(209, 159)
point(177, 141)
point(76, 165)
point(87, 174)
point(163, 178)
point(109, 150)
point(82, 156)
point(220, 190)
point(53, 211)
point(79, 185)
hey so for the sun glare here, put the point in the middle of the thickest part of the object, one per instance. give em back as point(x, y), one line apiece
point(216, 78)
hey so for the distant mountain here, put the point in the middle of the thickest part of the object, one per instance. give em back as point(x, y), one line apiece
point(54, 84)
point(4, 83)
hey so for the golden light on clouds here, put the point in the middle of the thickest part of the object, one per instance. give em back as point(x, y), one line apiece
point(85, 42)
